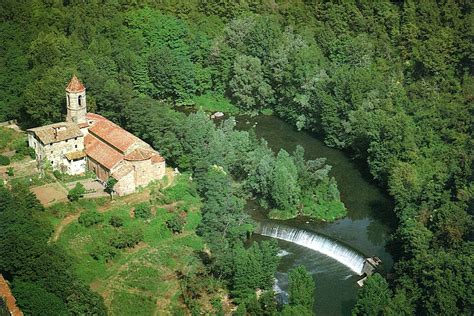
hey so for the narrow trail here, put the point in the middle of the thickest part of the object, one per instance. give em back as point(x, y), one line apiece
point(65, 222)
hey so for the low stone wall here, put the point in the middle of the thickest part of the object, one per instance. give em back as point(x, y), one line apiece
point(7, 123)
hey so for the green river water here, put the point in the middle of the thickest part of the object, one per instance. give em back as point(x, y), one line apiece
point(366, 228)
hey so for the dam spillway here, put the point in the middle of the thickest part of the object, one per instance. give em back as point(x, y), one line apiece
point(316, 242)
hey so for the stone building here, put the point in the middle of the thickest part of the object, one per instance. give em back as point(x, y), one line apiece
point(88, 141)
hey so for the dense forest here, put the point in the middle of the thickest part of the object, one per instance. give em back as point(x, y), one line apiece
point(391, 83)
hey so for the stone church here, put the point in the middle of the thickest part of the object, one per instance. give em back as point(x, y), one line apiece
point(88, 141)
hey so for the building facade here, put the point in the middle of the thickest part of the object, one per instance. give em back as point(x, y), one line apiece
point(88, 141)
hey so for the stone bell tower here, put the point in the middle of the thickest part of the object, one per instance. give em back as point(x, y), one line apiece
point(76, 101)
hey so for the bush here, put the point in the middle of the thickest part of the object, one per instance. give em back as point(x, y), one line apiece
point(4, 160)
point(89, 218)
point(76, 192)
point(116, 221)
point(127, 238)
point(176, 224)
point(143, 210)
point(10, 171)
point(103, 252)
point(57, 174)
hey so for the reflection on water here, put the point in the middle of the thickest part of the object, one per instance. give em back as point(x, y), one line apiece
point(365, 229)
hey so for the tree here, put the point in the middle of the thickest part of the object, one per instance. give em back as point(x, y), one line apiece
point(374, 296)
point(35, 300)
point(171, 73)
point(248, 86)
point(143, 210)
point(90, 217)
point(254, 268)
point(285, 189)
point(176, 223)
point(3, 308)
point(77, 192)
point(116, 221)
point(301, 288)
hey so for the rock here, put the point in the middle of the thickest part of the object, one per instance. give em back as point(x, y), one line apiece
point(217, 115)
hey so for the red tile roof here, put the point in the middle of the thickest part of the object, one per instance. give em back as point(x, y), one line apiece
point(57, 132)
point(75, 85)
point(122, 170)
point(112, 146)
point(139, 154)
point(101, 152)
point(114, 135)
point(94, 117)
point(157, 158)
point(8, 297)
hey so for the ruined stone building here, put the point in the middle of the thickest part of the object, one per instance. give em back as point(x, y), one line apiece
point(88, 141)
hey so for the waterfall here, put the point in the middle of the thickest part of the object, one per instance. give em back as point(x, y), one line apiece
point(319, 243)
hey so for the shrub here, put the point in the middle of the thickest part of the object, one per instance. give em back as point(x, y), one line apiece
point(4, 160)
point(10, 171)
point(103, 252)
point(143, 210)
point(76, 192)
point(57, 174)
point(31, 152)
point(176, 224)
point(127, 238)
point(89, 218)
point(116, 221)
point(109, 186)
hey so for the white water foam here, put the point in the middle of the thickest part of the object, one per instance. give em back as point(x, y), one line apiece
point(319, 243)
point(282, 253)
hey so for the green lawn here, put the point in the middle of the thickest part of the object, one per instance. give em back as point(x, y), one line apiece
point(140, 280)
point(214, 103)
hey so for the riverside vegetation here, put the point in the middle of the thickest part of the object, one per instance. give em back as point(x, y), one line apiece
point(389, 82)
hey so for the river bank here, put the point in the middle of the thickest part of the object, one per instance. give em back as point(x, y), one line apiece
point(366, 229)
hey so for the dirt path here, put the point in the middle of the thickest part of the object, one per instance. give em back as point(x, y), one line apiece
point(65, 222)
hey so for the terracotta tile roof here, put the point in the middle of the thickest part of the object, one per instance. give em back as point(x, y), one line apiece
point(122, 170)
point(9, 298)
point(114, 135)
point(94, 116)
point(75, 155)
point(157, 158)
point(101, 152)
point(139, 154)
point(56, 132)
point(75, 85)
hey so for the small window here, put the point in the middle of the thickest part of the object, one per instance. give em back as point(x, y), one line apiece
point(51, 162)
point(51, 152)
point(75, 146)
point(79, 99)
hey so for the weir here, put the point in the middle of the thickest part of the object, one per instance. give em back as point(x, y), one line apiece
point(314, 241)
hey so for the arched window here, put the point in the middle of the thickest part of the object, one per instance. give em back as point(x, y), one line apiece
point(79, 98)
point(68, 100)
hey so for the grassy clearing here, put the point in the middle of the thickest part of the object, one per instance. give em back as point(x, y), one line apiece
point(215, 103)
point(140, 280)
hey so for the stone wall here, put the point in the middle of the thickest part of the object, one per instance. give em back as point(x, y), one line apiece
point(54, 153)
point(101, 172)
point(76, 166)
point(126, 184)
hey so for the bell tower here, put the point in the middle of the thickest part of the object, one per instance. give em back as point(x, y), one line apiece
point(76, 101)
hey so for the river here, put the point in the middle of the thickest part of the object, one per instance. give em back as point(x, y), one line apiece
point(365, 230)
